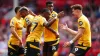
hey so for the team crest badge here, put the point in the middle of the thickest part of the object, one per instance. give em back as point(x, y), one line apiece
point(80, 23)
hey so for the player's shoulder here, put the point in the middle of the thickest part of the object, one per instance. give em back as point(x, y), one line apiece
point(39, 17)
point(22, 18)
point(54, 12)
point(29, 16)
point(14, 18)
point(83, 17)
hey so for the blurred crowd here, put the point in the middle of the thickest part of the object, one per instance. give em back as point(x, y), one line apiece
point(91, 8)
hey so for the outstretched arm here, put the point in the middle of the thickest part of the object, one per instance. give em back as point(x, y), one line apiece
point(65, 27)
point(61, 14)
point(78, 35)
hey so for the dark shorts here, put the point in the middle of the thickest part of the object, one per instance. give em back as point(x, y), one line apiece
point(14, 50)
point(51, 46)
point(32, 49)
point(80, 50)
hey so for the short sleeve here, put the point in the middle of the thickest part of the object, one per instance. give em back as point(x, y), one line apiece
point(42, 21)
point(81, 23)
point(12, 23)
point(54, 15)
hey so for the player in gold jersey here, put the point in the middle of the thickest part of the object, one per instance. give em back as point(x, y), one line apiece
point(15, 42)
point(83, 35)
point(50, 40)
point(36, 29)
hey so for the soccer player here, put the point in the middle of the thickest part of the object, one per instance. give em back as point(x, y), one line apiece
point(83, 35)
point(35, 31)
point(15, 42)
point(50, 40)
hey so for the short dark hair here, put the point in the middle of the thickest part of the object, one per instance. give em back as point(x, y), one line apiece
point(17, 8)
point(22, 8)
point(49, 2)
point(45, 10)
point(77, 6)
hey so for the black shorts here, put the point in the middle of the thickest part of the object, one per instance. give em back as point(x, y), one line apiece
point(14, 50)
point(80, 50)
point(51, 46)
point(32, 49)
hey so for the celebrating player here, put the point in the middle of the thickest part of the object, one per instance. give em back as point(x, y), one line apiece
point(83, 35)
point(35, 29)
point(51, 41)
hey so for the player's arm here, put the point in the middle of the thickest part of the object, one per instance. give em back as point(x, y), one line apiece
point(15, 33)
point(73, 32)
point(79, 34)
point(81, 29)
point(50, 22)
point(12, 29)
point(61, 14)
point(28, 30)
point(28, 25)
point(49, 28)
point(65, 27)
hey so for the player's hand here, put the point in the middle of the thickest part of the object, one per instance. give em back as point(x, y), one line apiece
point(61, 14)
point(64, 27)
point(66, 44)
point(21, 44)
point(42, 43)
point(30, 11)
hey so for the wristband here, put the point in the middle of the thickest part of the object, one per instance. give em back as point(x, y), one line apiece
point(71, 41)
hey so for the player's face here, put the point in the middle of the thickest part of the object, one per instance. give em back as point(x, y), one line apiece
point(50, 7)
point(23, 13)
point(18, 13)
point(75, 13)
point(47, 15)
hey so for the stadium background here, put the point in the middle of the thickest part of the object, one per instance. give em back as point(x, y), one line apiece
point(91, 10)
